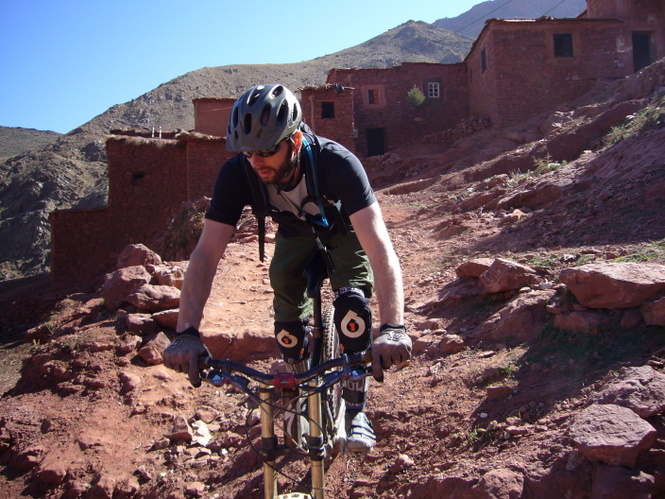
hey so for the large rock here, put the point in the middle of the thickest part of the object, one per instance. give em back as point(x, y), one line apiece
point(167, 275)
point(137, 254)
point(611, 434)
point(152, 352)
point(505, 275)
point(641, 389)
point(614, 285)
point(520, 320)
point(155, 298)
point(474, 267)
point(122, 283)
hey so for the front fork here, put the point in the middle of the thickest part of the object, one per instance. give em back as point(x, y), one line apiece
point(270, 449)
point(315, 441)
point(268, 441)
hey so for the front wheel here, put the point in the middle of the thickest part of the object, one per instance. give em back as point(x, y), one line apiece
point(333, 408)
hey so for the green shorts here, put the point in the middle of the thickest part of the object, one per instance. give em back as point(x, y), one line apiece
point(351, 268)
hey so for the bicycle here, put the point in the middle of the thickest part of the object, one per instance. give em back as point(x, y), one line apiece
point(319, 385)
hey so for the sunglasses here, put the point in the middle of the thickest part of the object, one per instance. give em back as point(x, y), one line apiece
point(263, 154)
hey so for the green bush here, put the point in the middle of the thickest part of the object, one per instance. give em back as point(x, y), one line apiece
point(416, 97)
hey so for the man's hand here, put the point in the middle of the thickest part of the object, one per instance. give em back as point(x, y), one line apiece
point(392, 346)
point(182, 355)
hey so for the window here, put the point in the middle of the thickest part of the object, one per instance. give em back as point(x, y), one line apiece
point(483, 60)
point(374, 96)
point(327, 110)
point(563, 45)
point(433, 90)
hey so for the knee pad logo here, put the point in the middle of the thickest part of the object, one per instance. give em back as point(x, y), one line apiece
point(353, 326)
point(286, 339)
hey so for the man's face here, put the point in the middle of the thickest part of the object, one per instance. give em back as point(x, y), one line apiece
point(270, 168)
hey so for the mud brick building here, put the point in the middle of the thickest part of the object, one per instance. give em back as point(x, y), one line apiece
point(516, 69)
point(149, 179)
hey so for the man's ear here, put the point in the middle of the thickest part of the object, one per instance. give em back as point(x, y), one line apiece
point(296, 138)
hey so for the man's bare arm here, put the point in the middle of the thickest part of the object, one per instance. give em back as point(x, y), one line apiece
point(201, 272)
point(375, 240)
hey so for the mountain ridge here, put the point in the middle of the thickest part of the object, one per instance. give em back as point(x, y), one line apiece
point(471, 22)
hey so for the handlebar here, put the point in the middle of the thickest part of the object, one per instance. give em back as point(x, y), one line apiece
point(218, 372)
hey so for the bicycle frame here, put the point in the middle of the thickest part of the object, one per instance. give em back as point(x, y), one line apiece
point(313, 382)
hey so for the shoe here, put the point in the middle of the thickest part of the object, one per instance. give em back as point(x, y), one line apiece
point(359, 432)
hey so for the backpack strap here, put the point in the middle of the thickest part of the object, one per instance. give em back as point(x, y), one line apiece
point(259, 204)
point(315, 188)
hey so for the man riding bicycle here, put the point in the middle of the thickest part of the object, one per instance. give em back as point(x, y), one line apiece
point(318, 193)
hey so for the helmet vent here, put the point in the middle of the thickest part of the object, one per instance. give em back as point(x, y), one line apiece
point(283, 112)
point(247, 123)
point(277, 91)
point(265, 115)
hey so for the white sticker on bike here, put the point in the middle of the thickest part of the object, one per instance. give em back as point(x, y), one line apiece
point(353, 326)
point(286, 339)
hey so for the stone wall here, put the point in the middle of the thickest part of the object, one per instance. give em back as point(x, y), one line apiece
point(204, 159)
point(149, 179)
point(211, 115)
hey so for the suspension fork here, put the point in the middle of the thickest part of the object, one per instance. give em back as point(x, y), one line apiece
point(315, 441)
point(268, 441)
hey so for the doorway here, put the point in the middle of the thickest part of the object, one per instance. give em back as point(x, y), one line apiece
point(641, 49)
point(376, 141)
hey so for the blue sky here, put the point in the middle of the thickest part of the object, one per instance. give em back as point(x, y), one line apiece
point(65, 62)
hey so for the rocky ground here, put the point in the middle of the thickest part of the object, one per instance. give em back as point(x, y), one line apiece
point(505, 379)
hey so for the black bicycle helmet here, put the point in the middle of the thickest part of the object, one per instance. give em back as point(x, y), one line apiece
point(262, 117)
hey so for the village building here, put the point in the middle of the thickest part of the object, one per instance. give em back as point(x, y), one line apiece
point(515, 70)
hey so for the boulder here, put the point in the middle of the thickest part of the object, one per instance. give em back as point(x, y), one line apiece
point(122, 283)
point(155, 298)
point(167, 275)
point(167, 318)
point(611, 434)
point(137, 254)
point(473, 268)
point(500, 483)
point(641, 389)
point(153, 349)
point(520, 320)
point(614, 285)
point(505, 275)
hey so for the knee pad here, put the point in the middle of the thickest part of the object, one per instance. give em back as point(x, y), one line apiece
point(293, 339)
point(353, 319)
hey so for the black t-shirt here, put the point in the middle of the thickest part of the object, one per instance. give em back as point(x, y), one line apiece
point(341, 179)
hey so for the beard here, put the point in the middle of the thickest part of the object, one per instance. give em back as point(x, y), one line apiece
point(276, 175)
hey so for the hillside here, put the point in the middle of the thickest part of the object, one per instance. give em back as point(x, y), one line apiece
point(534, 272)
point(472, 22)
point(15, 140)
point(71, 172)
